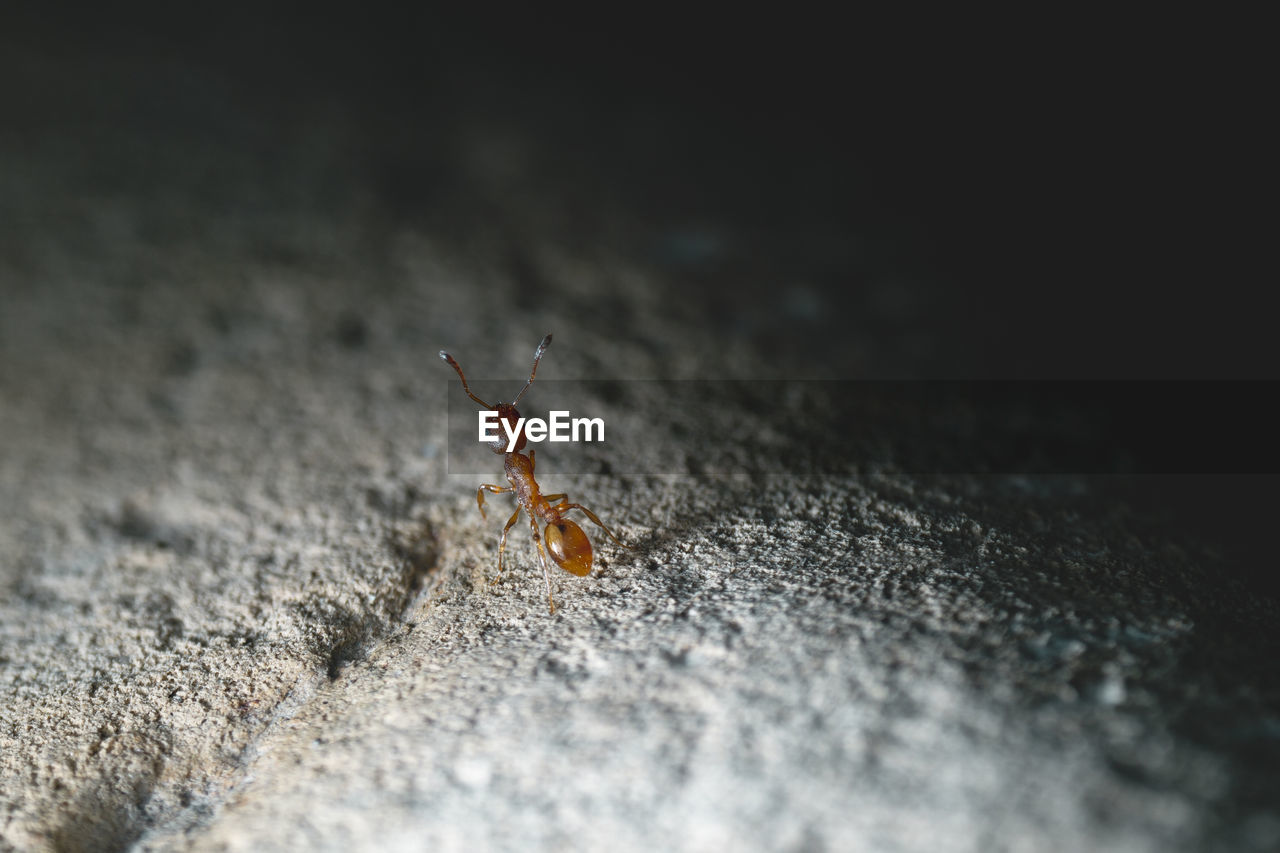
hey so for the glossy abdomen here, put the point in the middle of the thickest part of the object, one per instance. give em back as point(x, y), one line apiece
point(569, 547)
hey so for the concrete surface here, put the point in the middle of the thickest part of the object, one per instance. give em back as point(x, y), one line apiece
point(244, 607)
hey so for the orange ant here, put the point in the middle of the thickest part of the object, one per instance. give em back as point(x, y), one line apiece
point(568, 545)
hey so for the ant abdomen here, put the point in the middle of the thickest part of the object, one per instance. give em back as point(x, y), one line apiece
point(569, 547)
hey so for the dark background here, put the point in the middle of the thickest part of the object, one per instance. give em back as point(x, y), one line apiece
point(1065, 193)
point(961, 197)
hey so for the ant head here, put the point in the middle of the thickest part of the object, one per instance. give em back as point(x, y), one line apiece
point(506, 411)
point(510, 417)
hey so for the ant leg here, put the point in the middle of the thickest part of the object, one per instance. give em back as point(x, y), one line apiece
point(511, 522)
point(542, 555)
point(553, 498)
point(492, 489)
point(532, 462)
point(565, 507)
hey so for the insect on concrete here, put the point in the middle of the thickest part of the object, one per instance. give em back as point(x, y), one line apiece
point(564, 540)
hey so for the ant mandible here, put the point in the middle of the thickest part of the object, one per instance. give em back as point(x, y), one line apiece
point(568, 545)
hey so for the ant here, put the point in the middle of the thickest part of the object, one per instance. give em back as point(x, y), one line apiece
point(568, 545)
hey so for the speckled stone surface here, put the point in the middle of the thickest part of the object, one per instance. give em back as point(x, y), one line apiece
point(244, 605)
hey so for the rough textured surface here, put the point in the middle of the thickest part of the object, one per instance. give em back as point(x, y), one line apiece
point(245, 607)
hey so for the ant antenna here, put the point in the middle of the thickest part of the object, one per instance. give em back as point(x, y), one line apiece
point(444, 355)
point(537, 357)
